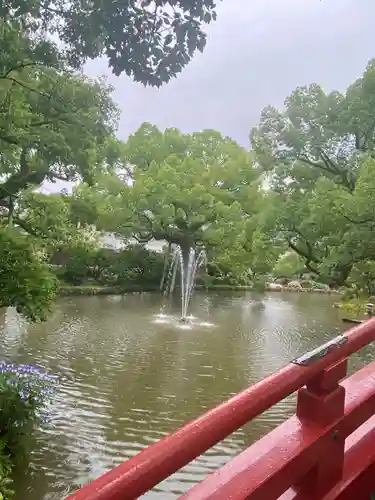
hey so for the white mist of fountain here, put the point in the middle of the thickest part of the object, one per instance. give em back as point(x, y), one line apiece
point(188, 271)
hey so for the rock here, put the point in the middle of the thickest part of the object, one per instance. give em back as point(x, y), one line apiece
point(275, 287)
point(281, 281)
point(294, 285)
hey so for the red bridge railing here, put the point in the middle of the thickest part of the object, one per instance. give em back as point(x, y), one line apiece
point(325, 451)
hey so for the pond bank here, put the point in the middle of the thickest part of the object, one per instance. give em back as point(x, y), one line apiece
point(66, 290)
point(83, 290)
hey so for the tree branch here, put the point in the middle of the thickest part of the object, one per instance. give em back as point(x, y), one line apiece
point(304, 255)
point(24, 85)
point(18, 68)
point(358, 221)
point(28, 228)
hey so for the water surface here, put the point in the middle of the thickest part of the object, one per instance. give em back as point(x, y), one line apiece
point(128, 377)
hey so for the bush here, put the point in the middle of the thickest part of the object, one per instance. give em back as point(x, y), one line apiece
point(77, 270)
point(362, 278)
point(354, 308)
point(24, 393)
point(6, 465)
point(138, 265)
point(26, 283)
point(133, 265)
point(218, 274)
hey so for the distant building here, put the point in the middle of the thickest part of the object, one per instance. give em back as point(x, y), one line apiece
point(112, 242)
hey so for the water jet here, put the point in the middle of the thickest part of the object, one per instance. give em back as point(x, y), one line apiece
point(188, 266)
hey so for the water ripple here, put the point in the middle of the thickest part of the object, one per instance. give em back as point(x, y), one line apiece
point(126, 381)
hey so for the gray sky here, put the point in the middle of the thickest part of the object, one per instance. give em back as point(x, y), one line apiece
point(257, 52)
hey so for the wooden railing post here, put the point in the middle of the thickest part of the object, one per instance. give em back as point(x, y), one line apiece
point(321, 403)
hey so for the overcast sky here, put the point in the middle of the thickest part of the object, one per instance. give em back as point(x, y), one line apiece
point(257, 52)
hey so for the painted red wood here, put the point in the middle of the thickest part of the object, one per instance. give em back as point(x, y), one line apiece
point(142, 472)
point(282, 457)
point(359, 468)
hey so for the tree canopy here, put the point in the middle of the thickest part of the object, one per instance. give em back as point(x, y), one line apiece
point(318, 153)
point(197, 189)
point(149, 40)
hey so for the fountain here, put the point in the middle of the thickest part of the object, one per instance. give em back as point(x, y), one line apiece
point(188, 268)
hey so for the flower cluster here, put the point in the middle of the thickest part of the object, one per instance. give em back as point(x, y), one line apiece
point(25, 391)
point(33, 385)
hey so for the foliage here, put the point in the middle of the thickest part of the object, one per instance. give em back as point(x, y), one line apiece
point(6, 465)
point(318, 154)
point(25, 391)
point(57, 124)
point(290, 265)
point(53, 126)
point(355, 307)
point(165, 201)
point(78, 268)
point(51, 221)
point(25, 281)
point(150, 41)
point(362, 277)
point(136, 264)
point(133, 265)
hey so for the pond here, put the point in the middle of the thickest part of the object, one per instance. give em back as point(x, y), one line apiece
point(129, 376)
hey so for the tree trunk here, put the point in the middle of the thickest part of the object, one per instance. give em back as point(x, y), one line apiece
point(339, 275)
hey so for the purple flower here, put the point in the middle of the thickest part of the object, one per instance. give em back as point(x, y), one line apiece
point(24, 395)
point(31, 383)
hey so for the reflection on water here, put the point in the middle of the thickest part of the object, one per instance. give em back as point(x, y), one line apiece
point(128, 377)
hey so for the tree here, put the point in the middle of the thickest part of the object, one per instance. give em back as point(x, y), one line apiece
point(191, 190)
point(58, 129)
point(313, 152)
point(149, 40)
point(318, 134)
point(25, 281)
point(53, 126)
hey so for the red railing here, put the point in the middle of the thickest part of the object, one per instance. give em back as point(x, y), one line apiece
point(326, 450)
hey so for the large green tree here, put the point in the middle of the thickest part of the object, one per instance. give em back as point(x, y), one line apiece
point(313, 152)
point(197, 189)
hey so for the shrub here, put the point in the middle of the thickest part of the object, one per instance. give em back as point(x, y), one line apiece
point(78, 267)
point(25, 281)
point(136, 264)
point(25, 391)
point(6, 465)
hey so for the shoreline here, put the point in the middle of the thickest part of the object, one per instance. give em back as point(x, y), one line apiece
point(92, 290)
